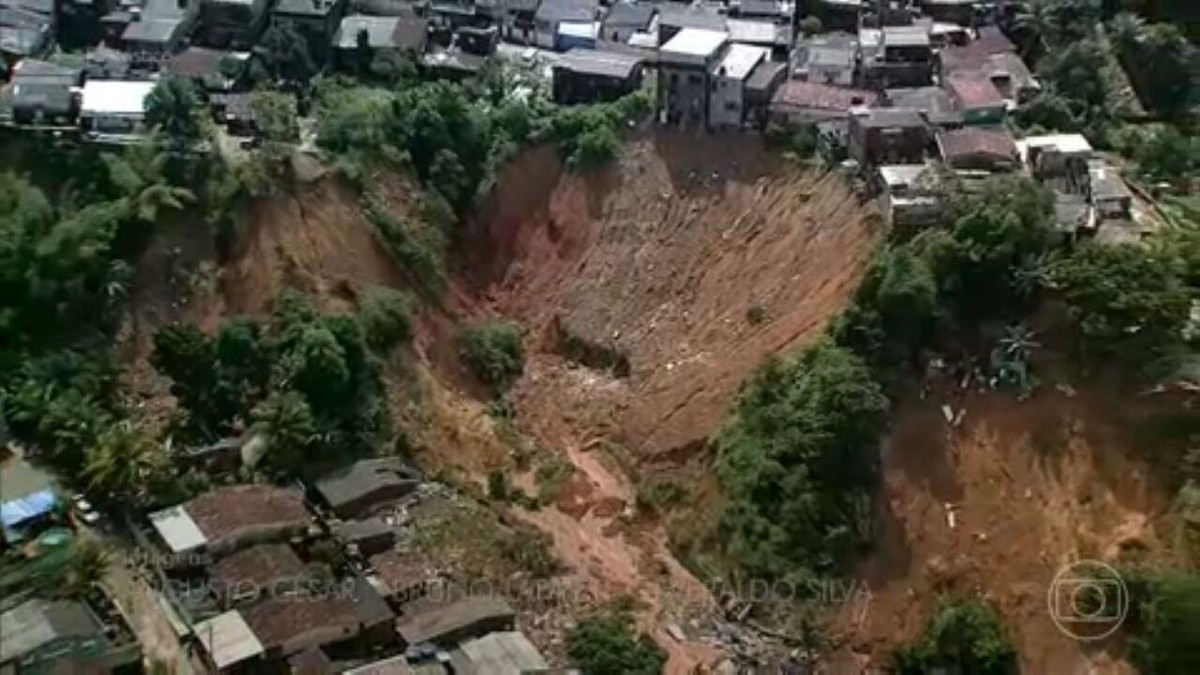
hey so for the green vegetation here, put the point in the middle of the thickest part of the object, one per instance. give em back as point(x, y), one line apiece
point(308, 382)
point(454, 137)
point(1166, 623)
point(1131, 301)
point(493, 352)
point(606, 645)
point(384, 313)
point(173, 106)
point(798, 463)
point(964, 637)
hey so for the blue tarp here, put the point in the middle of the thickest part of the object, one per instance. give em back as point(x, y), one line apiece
point(30, 506)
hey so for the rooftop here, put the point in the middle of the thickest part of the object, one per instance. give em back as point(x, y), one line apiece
point(798, 94)
point(442, 619)
point(1065, 143)
point(365, 477)
point(153, 30)
point(228, 639)
point(934, 102)
point(765, 74)
point(695, 43)
point(504, 652)
point(1105, 181)
point(740, 60)
point(38, 622)
point(382, 31)
point(905, 36)
point(878, 118)
point(974, 90)
point(673, 16)
point(197, 62)
point(757, 32)
point(115, 97)
point(229, 511)
point(630, 15)
point(294, 624)
point(555, 11)
point(961, 143)
point(604, 63)
point(304, 7)
point(901, 175)
point(257, 568)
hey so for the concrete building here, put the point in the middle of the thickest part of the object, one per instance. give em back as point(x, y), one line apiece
point(758, 33)
point(887, 136)
point(727, 103)
point(379, 34)
point(760, 87)
point(934, 104)
point(896, 56)
point(686, 63)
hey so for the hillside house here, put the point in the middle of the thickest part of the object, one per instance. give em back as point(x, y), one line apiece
point(833, 63)
point(977, 98)
point(686, 65)
point(672, 19)
point(934, 104)
point(551, 14)
point(626, 18)
point(365, 485)
point(797, 102)
point(974, 149)
point(226, 519)
point(26, 29)
point(158, 28)
point(42, 94)
point(727, 103)
point(896, 56)
point(760, 87)
point(589, 76)
point(114, 110)
point(377, 34)
point(887, 136)
point(757, 33)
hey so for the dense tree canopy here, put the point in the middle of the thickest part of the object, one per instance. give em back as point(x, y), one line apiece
point(798, 462)
point(963, 637)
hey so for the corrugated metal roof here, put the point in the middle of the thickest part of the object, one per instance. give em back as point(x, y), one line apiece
point(228, 639)
point(177, 529)
point(117, 97)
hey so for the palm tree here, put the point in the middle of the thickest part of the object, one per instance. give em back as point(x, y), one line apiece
point(123, 462)
point(140, 176)
point(88, 564)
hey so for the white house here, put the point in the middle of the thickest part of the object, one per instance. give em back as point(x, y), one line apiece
point(727, 106)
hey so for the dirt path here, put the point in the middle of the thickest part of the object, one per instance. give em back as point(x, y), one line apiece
point(1033, 486)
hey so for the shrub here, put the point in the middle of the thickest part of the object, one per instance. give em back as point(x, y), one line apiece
point(384, 313)
point(1168, 625)
point(965, 637)
point(606, 645)
point(493, 352)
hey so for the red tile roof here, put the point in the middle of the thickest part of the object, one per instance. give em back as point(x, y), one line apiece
point(961, 143)
point(974, 90)
point(232, 511)
point(257, 567)
point(301, 622)
point(821, 96)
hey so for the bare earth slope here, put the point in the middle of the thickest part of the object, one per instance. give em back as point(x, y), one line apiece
point(663, 258)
